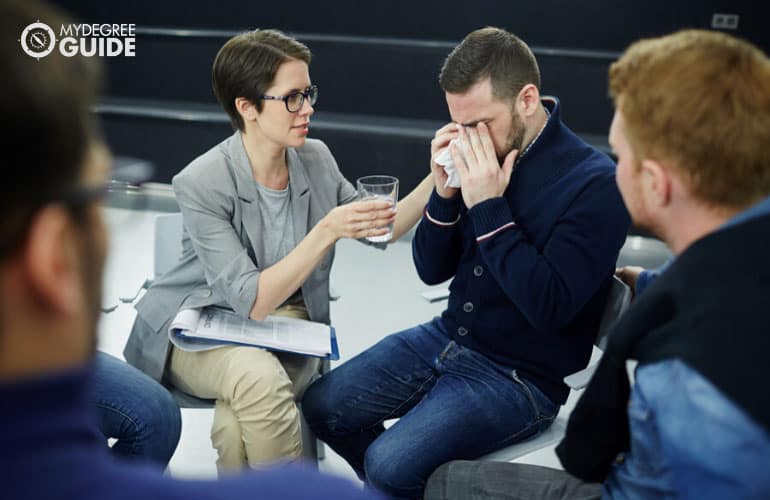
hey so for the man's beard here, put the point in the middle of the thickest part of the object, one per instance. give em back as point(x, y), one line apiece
point(515, 138)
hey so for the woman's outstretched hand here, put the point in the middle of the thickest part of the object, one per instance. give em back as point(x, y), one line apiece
point(360, 219)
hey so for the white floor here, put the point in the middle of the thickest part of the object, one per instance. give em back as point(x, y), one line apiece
point(380, 294)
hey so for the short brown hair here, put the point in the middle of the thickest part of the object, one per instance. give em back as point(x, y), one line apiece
point(701, 101)
point(246, 65)
point(494, 53)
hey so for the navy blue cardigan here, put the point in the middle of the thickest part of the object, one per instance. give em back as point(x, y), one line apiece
point(531, 269)
point(50, 448)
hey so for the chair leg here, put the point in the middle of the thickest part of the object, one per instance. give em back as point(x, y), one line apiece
point(313, 448)
point(310, 446)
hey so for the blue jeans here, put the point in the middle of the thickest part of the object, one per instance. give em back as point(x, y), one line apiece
point(136, 410)
point(453, 403)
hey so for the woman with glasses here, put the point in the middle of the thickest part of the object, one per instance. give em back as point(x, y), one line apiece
point(262, 211)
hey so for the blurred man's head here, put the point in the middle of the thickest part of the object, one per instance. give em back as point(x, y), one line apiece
point(492, 77)
point(51, 235)
point(691, 127)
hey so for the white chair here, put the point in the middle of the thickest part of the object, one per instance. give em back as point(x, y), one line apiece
point(167, 250)
point(618, 300)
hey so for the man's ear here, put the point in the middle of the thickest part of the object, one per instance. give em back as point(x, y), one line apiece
point(528, 100)
point(51, 261)
point(656, 183)
point(246, 109)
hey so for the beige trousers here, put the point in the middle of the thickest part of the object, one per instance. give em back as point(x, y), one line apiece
point(256, 420)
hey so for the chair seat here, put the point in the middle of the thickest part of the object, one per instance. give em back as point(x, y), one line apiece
point(551, 435)
point(579, 380)
point(185, 400)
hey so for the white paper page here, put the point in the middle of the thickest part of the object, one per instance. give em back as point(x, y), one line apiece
point(184, 324)
point(186, 319)
point(274, 332)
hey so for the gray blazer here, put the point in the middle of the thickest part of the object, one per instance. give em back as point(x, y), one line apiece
point(220, 263)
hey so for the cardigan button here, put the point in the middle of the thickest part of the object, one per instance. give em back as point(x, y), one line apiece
point(462, 331)
point(478, 271)
point(468, 307)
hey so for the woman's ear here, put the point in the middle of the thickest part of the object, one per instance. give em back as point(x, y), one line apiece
point(246, 109)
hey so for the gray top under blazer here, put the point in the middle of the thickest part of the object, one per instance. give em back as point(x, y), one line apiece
point(221, 261)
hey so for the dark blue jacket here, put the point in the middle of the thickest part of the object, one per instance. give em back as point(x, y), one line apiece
point(50, 448)
point(531, 268)
point(696, 423)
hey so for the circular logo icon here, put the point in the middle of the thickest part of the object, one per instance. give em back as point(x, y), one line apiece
point(38, 40)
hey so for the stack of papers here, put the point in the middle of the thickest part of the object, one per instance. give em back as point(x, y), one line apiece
point(211, 327)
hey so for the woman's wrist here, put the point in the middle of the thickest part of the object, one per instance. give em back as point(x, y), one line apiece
point(325, 231)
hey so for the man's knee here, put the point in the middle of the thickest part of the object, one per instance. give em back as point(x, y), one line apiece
point(388, 471)
point(164, 419)
point(163, 411)
point(319, 404)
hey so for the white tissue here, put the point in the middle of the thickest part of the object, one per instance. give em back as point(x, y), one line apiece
point(444, 158)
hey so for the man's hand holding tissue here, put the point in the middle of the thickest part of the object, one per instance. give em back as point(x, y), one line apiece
point(438, 146)
point(474, 156)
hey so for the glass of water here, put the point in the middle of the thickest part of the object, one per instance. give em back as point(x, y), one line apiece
point(379, 187)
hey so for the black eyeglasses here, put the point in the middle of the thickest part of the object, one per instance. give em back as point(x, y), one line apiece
point(295, 100)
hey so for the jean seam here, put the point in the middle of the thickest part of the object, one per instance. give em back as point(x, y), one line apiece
point(528, 393)
point(128, 417)
point(120, 412)
point(445, 352)
point(507, 441)
point(394, 410)
point(340, 413)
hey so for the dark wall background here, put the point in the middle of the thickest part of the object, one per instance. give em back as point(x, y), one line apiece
point(376, 64)
point(587, 24)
